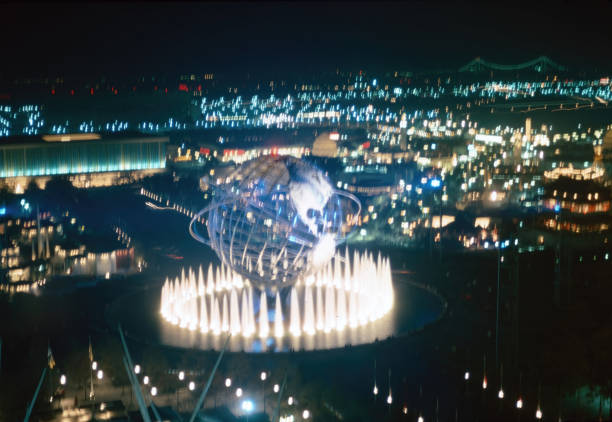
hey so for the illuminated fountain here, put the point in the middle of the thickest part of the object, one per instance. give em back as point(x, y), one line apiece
point(275, 224)
point(346, 294)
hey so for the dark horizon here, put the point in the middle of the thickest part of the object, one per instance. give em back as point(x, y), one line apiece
point(278, 37)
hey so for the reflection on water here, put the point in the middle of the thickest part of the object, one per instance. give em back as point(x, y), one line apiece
point(414, 308)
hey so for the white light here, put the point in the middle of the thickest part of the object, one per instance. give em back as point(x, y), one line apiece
point(228, 382)
point(389, 399)
point(94, 365)
point(276, 388)
point(247, 405)
point(405, 410)
point(519, 403)
point(484, 383)
point(466, 376)
point(153, 391)
point(290, 400)
point(500, 394)
point(137, 369)
point(238, 392)
point(263, 376)
point(63, 380)
point(100, 374)
point(420, 419)
point(538, 414)
point(181, 375)
point(191, 385)
point(180, 312)
point(145, 380)
point(305, 414)
point(375, 391)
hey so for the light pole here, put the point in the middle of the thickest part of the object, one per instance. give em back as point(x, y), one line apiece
point(247, 407)
point(375, 390)
point(94, 366)
point(228, 384)
point(390, 396)
point(263, 376)
point(499, 246)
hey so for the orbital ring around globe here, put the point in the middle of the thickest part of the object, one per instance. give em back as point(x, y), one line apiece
point(321, 248)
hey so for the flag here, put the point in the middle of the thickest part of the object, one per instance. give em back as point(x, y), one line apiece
point(50, 357)
point(90, 351)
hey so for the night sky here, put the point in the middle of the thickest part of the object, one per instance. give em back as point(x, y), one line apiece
point(276, 37)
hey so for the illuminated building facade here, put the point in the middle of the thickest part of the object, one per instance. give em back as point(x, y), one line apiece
point(580, 206)
point(89, 159)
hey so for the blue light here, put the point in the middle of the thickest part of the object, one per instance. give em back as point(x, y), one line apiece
point(247, 405)
point(435, 183)
point(2, 210)
point(557, 207)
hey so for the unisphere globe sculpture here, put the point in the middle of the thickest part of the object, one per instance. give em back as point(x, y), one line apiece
point(276, 219)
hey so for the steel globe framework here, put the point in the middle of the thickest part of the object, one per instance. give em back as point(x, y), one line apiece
point(276, 219)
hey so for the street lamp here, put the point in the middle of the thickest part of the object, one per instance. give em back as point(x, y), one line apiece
point(94, 365)
point(63, 379)
point(181, 376)
point(539, 414)
point(500, 394)
point(405, 410)
point(276, 388)
point(305, 414)
point(466, 376)
point(389, 397)
point(290, 401)
point(247, 405)
point(238, 392)
point(191, 385)
point(519, 403)
point(228, 382)
point(153, 391)
point(145, 380)
point(263, 376)
point(137, 369)
point(420, 419)
point(100, 374)
point(375, 391)
point(484, 371)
